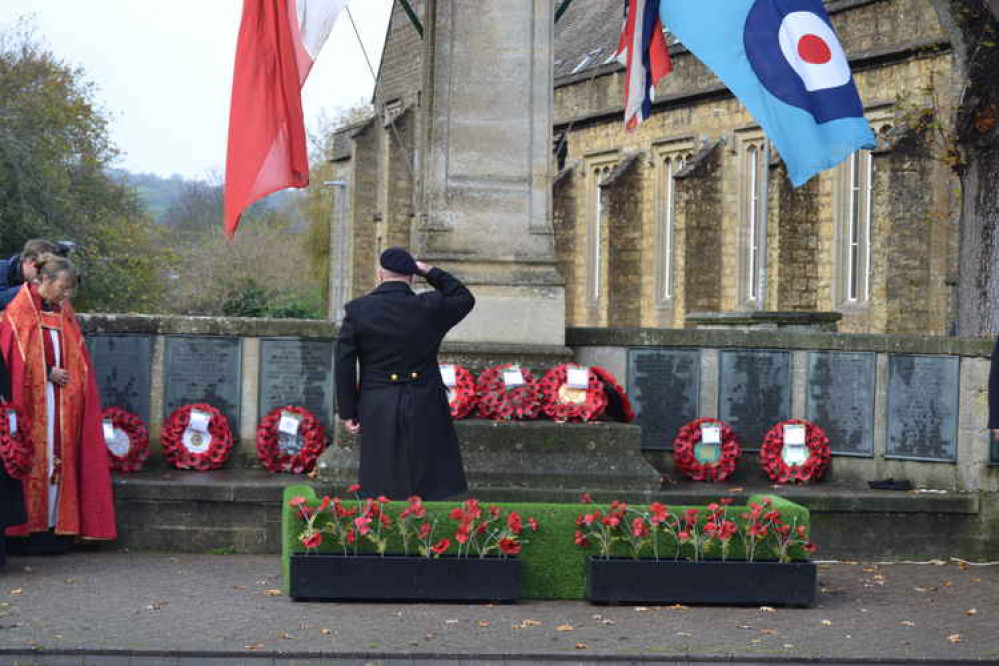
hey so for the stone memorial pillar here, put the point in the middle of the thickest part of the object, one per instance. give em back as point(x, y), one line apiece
point(486, 164)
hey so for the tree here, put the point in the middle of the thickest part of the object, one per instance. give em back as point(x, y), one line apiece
point(974, 33)
point(54, 179)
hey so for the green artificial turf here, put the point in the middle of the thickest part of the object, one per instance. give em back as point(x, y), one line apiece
point(554, 567)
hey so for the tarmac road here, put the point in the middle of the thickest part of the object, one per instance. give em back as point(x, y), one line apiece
point(109, 607)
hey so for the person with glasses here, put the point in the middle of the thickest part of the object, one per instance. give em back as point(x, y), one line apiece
point(67, 494)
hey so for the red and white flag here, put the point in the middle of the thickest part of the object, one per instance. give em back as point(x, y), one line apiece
point(278, 43)
point(643, 51)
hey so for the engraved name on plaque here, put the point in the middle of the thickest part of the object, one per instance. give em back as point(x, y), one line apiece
point(298, 373)
point(922, 407)
point(664, 387)
point(203, 369)
point(123, 369)
point(840, 399)
point(754, 392)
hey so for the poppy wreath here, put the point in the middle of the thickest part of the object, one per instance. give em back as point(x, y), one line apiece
point(15, 449)
point(558, 399)
point(313, 442)
point(815, 466)
point(618, 403)
point(138, 440)
point(462, 397)
point(180, 456)
point(686, 461)
point(499, 403)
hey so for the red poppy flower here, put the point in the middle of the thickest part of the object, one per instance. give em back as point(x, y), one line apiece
point(441, 546)
point(514, 523)
point(586, 498)
point(533, 524)
point(425, 530)
point(312, 540)
point(639, 528)
point(297, 501)
point(581, 539)
point(353, 488)
point(509, 546)
point(362, 523)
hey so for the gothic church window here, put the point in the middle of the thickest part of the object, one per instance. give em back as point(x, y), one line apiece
point(595, 235)
point(669, 160)
point(753, 210)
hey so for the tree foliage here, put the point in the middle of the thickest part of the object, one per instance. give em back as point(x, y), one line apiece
point(54, 179)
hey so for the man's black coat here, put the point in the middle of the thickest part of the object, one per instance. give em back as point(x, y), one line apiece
point(994, 389)
point(408, 443)
point(11, 498)
point(11, 279)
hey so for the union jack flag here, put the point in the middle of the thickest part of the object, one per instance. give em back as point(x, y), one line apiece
point(643, 51)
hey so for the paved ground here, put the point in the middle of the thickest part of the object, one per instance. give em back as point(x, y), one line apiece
point(118, 608)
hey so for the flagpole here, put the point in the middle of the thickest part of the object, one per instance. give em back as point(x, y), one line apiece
point(761, 295)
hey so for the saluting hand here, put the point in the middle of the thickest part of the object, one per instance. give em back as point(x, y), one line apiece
point(423, 267)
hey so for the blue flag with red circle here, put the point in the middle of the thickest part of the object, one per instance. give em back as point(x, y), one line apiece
point(783, 61)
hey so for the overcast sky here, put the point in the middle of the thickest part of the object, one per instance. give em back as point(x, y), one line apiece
point(164, 70)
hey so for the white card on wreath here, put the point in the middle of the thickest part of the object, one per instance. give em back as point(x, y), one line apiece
point(711, 433)
point(794, 434)
point(12, 421)
point(289, 423)
point(449, 376)
point(578, 377)
point(199, 420)
point(108, 426)
point(513, 377)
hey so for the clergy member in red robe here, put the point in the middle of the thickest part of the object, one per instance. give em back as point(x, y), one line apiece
point(68, 491)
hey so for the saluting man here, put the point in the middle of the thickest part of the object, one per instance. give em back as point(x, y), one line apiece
point(399, 406)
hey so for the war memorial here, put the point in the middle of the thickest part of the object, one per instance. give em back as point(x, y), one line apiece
point(912, 476)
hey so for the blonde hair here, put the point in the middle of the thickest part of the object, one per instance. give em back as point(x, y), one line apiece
point(51, 266)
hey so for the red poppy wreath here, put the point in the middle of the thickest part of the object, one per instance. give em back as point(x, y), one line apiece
point(127, 439)
point(564, 398)
point(15, 442)
point(461, 395)
point(290, 439)
point(804, 460)
point(197, 437)
point(706, 449)
point(508, 392)
point(618, 403)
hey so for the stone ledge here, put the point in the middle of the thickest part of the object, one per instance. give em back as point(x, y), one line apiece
point(779, 339)
point(105, 324)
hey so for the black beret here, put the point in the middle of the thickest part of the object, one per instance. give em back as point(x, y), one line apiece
point(398, 260)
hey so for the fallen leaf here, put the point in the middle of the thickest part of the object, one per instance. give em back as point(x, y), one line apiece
point(767, 609)
point(907, 623)
point(948, 583)
point(17, 591)
point(483, 623)
point(286, 636)
point(581, 646)
point(825, 567)
point(239, 587)
point(869, 570)
point(768, 631)
point(879, 577)
point(157, 605)
point(976, 580)
point(925, 589)
point(524, 624)
point(642, 609)
point(954, 638)
point(272, 593)
point(255, 646)
point(564, 627)
point(938, 563)
point(737, 489)
point(326, 632)
point(963, 566)
point(971, 611)
point(678, 607)
point(756, 640)
point(826, 623)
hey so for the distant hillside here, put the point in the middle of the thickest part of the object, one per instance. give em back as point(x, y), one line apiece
point(156, 192)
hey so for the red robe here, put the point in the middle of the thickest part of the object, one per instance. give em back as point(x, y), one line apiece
point(85, 501)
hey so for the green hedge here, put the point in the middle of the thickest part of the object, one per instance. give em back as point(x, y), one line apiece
point(553, 566)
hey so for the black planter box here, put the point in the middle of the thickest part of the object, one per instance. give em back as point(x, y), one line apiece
point(733, 583)
point(330, 577)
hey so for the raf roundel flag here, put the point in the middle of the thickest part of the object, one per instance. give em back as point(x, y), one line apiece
point(783, 61)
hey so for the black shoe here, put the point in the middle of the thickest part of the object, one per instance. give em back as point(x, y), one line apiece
point(890, 484)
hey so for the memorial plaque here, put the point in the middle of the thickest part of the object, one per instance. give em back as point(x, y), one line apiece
point(122, 368)
point(754, 392)
point(922, 407)
point(664, 387)
point(840, 399)
point(203, 369)
point(299, 373)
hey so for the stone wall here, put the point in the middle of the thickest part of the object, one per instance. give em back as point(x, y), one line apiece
point(908, 407)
